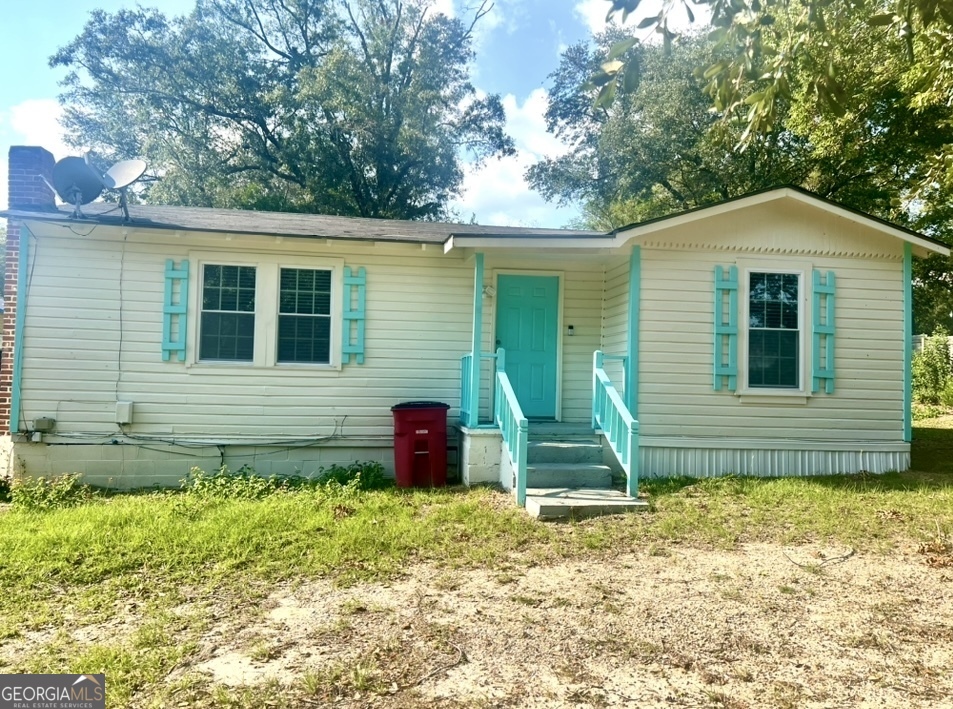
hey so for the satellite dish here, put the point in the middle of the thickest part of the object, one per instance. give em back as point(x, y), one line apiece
point(76, 183)
point(123, 174)
point(120, 176)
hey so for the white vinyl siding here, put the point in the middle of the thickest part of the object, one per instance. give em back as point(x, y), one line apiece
point(676, 396)
point(419, 310)
point(615, 319)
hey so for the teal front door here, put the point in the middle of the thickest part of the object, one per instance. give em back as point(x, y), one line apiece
point(527, 322)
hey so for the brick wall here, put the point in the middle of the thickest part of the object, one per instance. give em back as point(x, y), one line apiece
point(28, 166)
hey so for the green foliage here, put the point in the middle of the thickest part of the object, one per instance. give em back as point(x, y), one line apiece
point(226, 485)
point(923, 412)
point(932, 371)
point(360, 107)
point(770, 43)
point(50, 493)
point(658, 148)
point(946, 394)
point(363, 476)
point(6, 485)
point(245, 484)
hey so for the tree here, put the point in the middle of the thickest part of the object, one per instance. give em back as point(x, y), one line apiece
point(355, 107)
point(868, 86)
point(658, 148)
point(778, 51)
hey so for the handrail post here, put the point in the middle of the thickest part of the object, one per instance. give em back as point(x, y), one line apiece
point(598, 360)
point(522, 444)
point(632, 483)
point(477, 340)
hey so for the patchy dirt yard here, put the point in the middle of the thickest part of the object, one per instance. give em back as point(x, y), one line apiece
point(762, 626)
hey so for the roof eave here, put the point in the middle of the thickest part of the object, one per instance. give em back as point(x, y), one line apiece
point(546, 241)
point(68, 221)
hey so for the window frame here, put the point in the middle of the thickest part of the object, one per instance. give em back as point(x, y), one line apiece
point(802, 270)
point(201, 311)
point(267, 299)
point(314, 316)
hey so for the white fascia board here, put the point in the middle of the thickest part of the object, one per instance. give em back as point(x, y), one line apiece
point(926, 247)
point(923, 246)
point(483, 243)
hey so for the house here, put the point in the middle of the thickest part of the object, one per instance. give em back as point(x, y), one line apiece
point(766, 335)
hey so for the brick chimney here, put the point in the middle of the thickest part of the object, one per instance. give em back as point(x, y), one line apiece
point(28, 166)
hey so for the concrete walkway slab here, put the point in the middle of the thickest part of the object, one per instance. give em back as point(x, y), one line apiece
point(562, 503)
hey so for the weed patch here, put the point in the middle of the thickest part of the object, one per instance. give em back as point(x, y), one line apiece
point(48, 493)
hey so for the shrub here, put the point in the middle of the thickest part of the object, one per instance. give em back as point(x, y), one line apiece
point(223, 484)
point(245, 484)
point(364, 476)
point(946, 395)
point(50, 493)
point(5, 484)
point(927, 411)
point(932, 372)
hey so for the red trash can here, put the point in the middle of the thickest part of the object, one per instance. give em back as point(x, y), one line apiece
point(420, 443)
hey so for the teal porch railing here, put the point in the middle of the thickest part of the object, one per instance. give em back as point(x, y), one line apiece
point(466, 364)
point(513, 425)
point(612, 417)
point(470, 405)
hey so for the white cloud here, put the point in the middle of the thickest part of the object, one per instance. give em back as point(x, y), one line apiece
point(497, 192)
point(37, 122)
point(32, 122)
point(593, 14)
point(443, 6)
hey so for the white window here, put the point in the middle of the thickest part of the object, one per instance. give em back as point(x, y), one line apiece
point(304, 315)
point(228, 313)
point(267, 311)
point(773, 355)
point(774, 330)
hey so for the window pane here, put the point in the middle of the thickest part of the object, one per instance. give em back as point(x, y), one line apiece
point(227, 324)
point(230, 288)
point(227, 336)
point(305, 291)
point(304, 323)
point(304, 338)
point(773, 330)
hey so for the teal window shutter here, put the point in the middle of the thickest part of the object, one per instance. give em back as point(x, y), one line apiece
point(726, 328)
point(175, 310)
point(355, 293)
point(823, 327)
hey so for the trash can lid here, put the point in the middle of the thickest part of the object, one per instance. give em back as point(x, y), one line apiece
point(420, 405)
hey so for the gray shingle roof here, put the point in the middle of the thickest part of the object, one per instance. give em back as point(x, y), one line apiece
point(237, 221)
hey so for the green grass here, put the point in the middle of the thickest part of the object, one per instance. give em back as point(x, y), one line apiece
point(139, 557)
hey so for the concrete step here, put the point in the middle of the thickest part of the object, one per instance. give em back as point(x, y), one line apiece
point(559, 475)
point(551, 431)
point(562, 503)
point(564, 452)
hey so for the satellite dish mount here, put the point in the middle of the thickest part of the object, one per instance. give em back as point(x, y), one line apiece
point(119, 177)
point(76, 183)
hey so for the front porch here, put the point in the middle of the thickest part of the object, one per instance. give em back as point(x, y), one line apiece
point(555, 431)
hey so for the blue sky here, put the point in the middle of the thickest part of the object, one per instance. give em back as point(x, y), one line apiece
point(519, 45)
